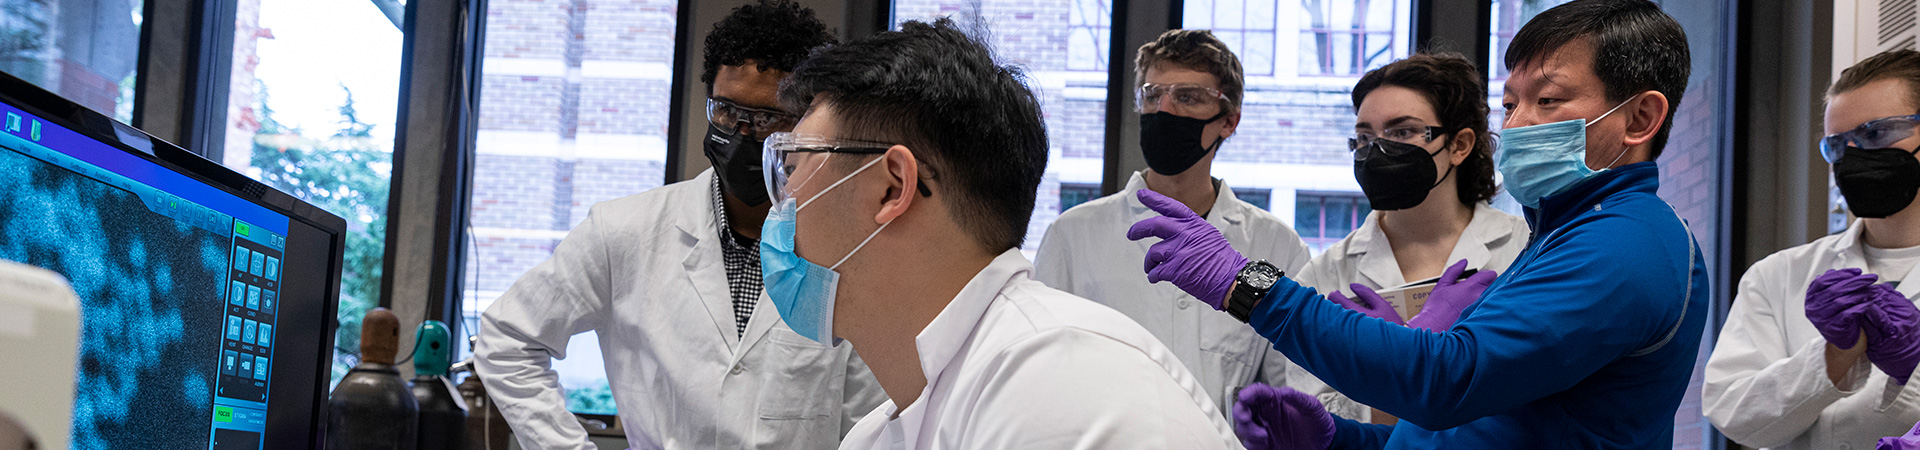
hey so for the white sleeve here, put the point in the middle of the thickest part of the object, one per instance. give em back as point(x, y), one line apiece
point(1076, 389)
point(529, 326)
point(1756, 392)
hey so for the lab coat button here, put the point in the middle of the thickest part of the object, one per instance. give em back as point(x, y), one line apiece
point(738, 368)
point(1183, 303)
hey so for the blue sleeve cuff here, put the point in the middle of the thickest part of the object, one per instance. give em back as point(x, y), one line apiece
point(1352, 435)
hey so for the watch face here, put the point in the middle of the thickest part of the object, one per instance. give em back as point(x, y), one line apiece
point(1261, 275)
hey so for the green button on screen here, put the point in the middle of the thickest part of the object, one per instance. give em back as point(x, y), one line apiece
point(223, 414)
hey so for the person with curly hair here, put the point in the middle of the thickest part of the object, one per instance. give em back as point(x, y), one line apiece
point(670, 281)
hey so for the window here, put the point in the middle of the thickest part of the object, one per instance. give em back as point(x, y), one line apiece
point(573, 112)
point(1323, 218)
point(1073, 194)
point(1259, 198)
point(1301, 60)
point(87, 52)
point(311, 111)
point(1063, 45)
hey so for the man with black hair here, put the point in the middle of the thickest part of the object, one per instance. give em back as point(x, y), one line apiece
point(900, 202)
point(670, 281)
point(1589, 338)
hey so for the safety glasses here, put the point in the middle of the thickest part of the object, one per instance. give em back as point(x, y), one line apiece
point(1877, 133)
point(1187, 99)
point(729, 117)
point(1364, 145)
point(790, 155)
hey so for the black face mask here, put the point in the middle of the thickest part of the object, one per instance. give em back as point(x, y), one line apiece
point(1394, 175)
point(1172, 143)
point(1877, 182)
point(736, 161)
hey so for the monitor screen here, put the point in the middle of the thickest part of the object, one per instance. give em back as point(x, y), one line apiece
point(186, 306)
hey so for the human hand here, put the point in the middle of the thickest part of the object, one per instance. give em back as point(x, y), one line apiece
point(1192, 254)
point(1451, 296)
point(1368, 302)
point(1835, 302)
point(1892, 326)
point(1270, 418)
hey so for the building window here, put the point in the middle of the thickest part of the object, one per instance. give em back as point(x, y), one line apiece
point(1063, 46)
point(312, 111)
point(86, 51)
point(1260, 198)
point(1073, 194)
point(1325, 218)
point(1349, 38)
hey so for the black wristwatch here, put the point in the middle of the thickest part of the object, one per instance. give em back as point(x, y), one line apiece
point(1252, 285)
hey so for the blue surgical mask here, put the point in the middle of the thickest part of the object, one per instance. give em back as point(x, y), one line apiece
point(1546, 159)
point(801, 290)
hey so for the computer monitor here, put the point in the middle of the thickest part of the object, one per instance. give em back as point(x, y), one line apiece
point(207, 299)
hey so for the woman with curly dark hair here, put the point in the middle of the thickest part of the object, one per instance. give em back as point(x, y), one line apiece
point(1424, 158)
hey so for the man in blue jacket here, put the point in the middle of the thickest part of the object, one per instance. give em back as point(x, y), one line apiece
point(1589, 338)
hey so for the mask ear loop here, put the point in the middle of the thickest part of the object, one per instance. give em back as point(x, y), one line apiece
point(1623, 150)
point(823, 192)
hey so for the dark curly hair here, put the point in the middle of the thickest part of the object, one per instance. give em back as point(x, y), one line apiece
point(1454, 87)
point(940, 92)
point(776, 34)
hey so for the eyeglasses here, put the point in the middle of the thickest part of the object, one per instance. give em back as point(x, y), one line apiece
point(729, 116)
point(1187, 98)
point(785, 154)
point(1876, 133)
point(1361, 142)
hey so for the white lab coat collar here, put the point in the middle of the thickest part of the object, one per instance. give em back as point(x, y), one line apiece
point(1377, 264)
point(943, 338)
point(1851, 252)
point(705, 269)
point(1225, 211)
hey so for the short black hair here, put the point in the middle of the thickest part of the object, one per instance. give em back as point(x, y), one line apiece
point(776, 34)
point(1452, 84)
point(939, 92)
point(1636, 48)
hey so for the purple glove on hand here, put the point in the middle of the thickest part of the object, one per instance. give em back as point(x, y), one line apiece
point(1450, 296)
point(1835, 302)
point(1365, 301)
point(1892, 324)
point(1192, 254)
point(1270, 418)
point(1909, 442)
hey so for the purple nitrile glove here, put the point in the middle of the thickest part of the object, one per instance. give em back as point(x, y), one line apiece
point(1909, 442)
point(1835, 301)
point(1892, 325)
point(1368, 302)
point(1270, 418)
point(1450, 296)
point(1192, 254)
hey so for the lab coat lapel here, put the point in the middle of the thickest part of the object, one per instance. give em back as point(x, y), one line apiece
point(1378, 269)
point(1477, 241)
point(765, 316)
point(707, 271)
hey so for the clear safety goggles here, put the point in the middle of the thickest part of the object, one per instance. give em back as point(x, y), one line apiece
point(1185, 99)
point(1363, 144)
point(789, 155)
point(731, 118)
point(1876, 133)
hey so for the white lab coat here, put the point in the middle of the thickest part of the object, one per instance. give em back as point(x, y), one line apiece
point(1766, 383)
point(646, 273)
point(1086, 253)
point(1491, 241)
point(1013, 364)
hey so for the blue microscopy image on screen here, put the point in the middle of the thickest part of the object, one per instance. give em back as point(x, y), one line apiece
point(153, 310)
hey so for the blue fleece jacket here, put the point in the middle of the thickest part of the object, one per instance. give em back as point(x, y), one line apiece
point(1587, 341)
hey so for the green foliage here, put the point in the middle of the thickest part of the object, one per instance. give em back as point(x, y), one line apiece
point(595, 399)
point(345, 173)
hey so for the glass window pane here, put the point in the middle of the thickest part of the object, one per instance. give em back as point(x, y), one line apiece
point(1339, 217)
point(1301, 60)
point(311, 111)
point(573, 112)
point(86, 51)
point(1063, 45)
